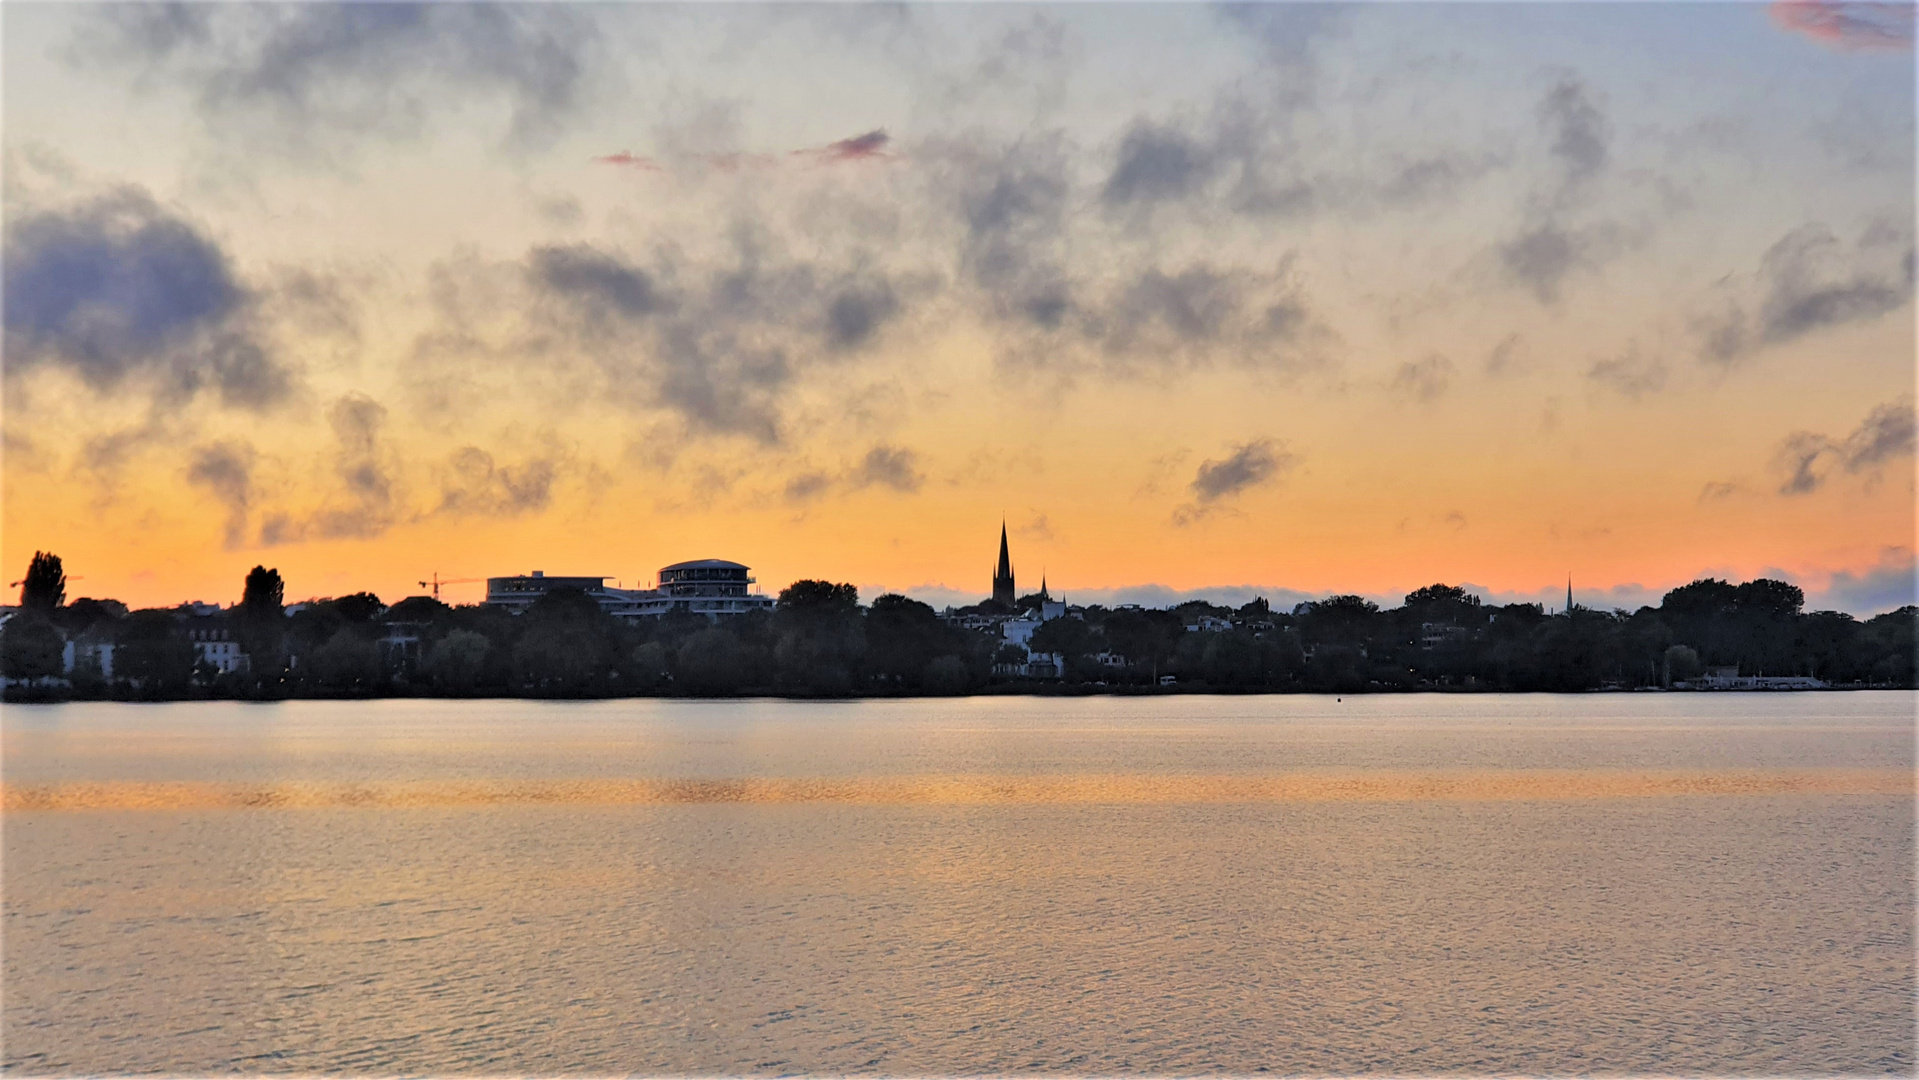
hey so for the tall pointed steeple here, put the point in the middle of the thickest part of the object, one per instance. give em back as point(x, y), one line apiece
point(1003, 574)
point(1569, 594)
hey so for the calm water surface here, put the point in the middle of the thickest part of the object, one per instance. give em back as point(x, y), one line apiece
point(1692, 884)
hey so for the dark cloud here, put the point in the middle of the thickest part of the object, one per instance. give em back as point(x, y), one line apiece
point(807, 487)
point(716, 344)
point(1543, 255)
point(367, 503)
point(1799, 459)
point(858, 148)
point(1886, 433)
point(474, 484)
point(1249, 465)
point(1551, 246)
point(1805, 459)
point(603, 286)
point(314, 74)
point(1716, 490)
point(1811, 280)
point(225, 469)
point(1012, 204)
point(1581, 135)
point(890, 467)
point(1424, 380)
point(1157, 162)
point(858, 312)
point(118, 290)
point(1507, 357)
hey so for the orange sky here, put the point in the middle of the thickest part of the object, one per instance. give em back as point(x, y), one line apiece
point(1349, 299)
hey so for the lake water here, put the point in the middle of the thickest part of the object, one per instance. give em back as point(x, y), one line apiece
point(1690, 884)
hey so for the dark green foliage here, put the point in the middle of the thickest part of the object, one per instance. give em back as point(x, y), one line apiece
point(153, 655)
point(260, 621)
point(416, 609)
point(565, 646)
point(1068, 637)
point(904, 639)
point(455, 663)
point(820, 642)
point(347, 661)
point(821, 637)
point(359, 607)
point(265, 593)
point(87, 611)
point(31, 646)
point(45, 586)
point(711, 661)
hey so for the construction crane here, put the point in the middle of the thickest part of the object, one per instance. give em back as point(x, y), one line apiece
point(438, 581)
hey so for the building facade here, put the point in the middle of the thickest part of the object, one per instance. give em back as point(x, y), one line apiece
point(710, 587)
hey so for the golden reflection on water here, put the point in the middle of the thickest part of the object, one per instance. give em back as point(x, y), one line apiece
point(1459, 786)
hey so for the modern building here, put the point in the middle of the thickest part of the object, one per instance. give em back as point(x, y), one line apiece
point(710, 587)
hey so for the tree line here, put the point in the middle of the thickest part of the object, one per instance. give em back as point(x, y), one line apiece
point(819, 641)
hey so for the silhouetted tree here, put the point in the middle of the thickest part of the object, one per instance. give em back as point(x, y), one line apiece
point(821, 639)
point(347, 661)
point(153, 654)
point(31, 647)
point(710, 662)
point(260, 621)
point(455, 662)
point(45, 586)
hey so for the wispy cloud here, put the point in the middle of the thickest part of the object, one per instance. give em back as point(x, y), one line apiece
point(1849, 25)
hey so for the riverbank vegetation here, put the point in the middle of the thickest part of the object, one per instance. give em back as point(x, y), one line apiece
point(821, 642)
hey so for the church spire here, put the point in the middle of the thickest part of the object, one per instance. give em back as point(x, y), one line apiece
point(1569, 594)
point(1003, 574)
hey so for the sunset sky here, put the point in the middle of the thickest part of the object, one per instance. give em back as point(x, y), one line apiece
point(1223, 301)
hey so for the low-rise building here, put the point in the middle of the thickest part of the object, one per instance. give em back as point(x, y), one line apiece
point(214, 644)
point(1437, 635)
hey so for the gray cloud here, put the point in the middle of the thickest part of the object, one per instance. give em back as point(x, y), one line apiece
point(1424, 380)
point(226, 470)
point(1886, 433)
point(1249, 465)
point(1630, 373)
point(890, 467)
point(1507, 357)
point(1549, 248)
point(714, 344)
point(1544, 255)
point(1157, 162)
point(1581, 135)
point(474, 484)
point(1811, 280)
point(1799, 457)
point(117, 290)
point(807, 486)
point(309, 76)
point(1012, 206)
point(1805, 459)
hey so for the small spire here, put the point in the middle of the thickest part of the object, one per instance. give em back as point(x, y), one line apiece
point(1569, 594)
